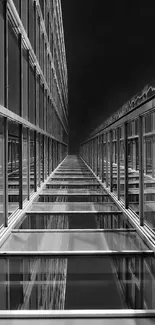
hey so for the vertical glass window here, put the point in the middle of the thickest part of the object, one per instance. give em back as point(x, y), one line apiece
point(42, 157)
point(45, 70)
point(42, 52)
point(114, 159)
point(49, 118)
point(108, 156)
point(37, 36)
point(31, 31)
point(49, 156)
point(25, 83)
point(133, 167)
point(58, 153)
point(149, 169)
point(53, 154)
point(2, 54)
point(13, 72)
point(24, 13)
point(46, 158)
point(1, 171)
point(25, 164)
point(38, 101)
point(31, 95)
point(97, 156)
point(38, 160)
point(41, 107)
point(45, 111)
point(31, 161)
point(13, 166)
point(130, 144)
point(122, 162)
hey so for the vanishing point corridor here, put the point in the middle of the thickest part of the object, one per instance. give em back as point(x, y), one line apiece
point(77, 199)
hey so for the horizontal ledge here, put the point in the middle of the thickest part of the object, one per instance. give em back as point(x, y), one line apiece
point(110, 313)
point(20, 120)
point(73, 194)
point(62, 183)
point(101, 253)
point(73, 176)
point(74, 212)
point(72, 230)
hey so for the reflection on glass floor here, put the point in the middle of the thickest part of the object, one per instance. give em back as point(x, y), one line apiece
point(74, 221)
point(74, 241)
point(72, 248)
point(77, 283)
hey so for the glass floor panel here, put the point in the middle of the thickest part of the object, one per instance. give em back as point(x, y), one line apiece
point(74, 207)
point(66, 185)
point(73, 221)
point(77, 283)
point(71, 191)
point(73, 198)
point(73, 241)
point(73, 173)
point(74, 181)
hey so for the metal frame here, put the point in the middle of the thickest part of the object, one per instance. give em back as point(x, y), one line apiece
point(73, 230)
point(78, 314)
point(20, 166)
point(5, 172)
point(107, 170)
point(141, 171)
point(111, 163)
point(65, 254)
point(126, 164)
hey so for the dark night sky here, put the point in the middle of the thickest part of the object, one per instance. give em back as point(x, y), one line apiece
point(110, 49)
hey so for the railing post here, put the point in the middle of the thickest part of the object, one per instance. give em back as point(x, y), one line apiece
point(20, 166)
point(5, 131)
point(126, 164)
point(35, 161)
point(28, 164)
point(100, 156)
point(141, 172)
point(106, 159)
point(96, 153)
point(118, 163)
point(111, 167)
point(43, 152)
point(5, 172)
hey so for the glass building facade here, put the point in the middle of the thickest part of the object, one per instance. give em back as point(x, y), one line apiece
point(33, 99)
point(76, 233)
point(124, 159)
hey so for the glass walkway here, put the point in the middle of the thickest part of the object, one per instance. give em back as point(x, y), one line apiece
point(74, 255)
